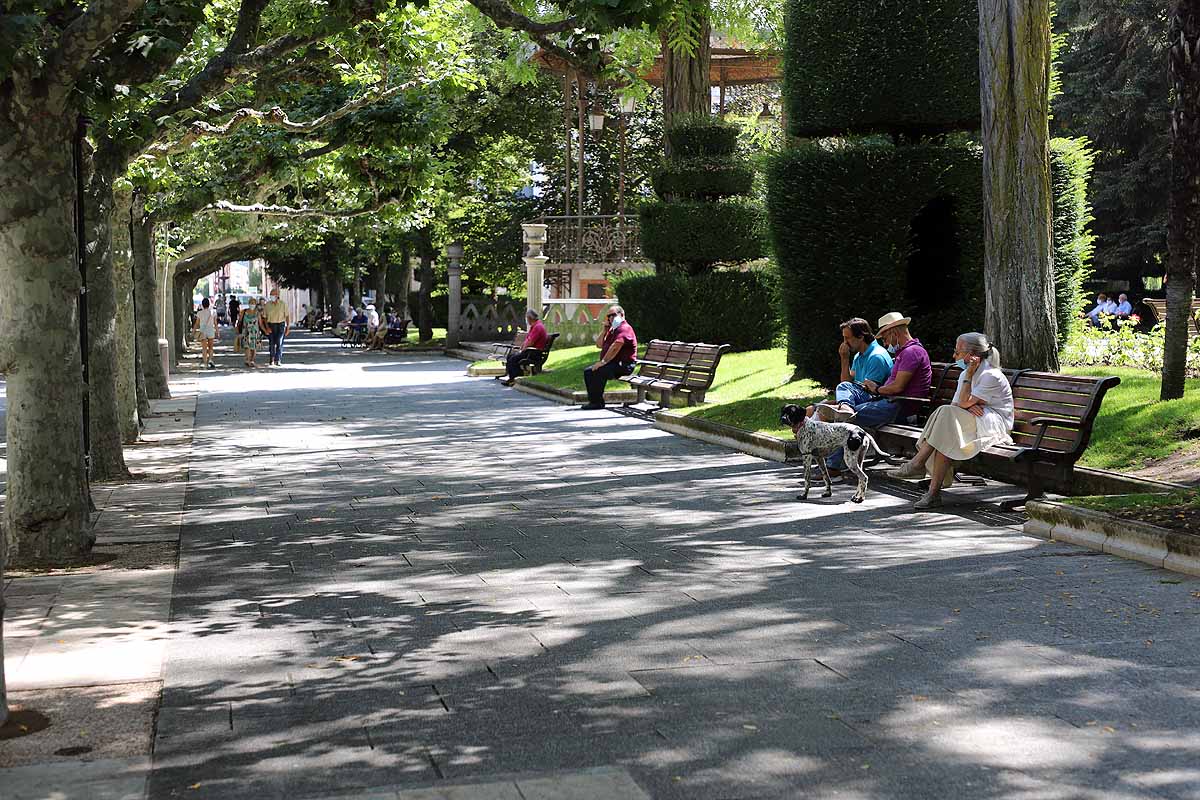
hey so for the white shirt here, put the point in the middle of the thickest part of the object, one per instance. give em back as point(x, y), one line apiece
point(1124, 309)
point(372, 318)
point(990, 385)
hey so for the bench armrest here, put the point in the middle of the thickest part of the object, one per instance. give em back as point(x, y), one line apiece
point(1045, 422)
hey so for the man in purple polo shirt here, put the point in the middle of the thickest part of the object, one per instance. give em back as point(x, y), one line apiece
point(912, 375)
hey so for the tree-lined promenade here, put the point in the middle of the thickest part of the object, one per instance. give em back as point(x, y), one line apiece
point(144, 146)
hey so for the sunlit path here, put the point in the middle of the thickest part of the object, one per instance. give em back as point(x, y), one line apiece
point(395, 576)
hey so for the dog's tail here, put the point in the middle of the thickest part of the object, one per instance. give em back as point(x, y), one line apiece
point(871, 444)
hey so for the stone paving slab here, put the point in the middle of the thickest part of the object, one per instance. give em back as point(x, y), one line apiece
point(431, 580)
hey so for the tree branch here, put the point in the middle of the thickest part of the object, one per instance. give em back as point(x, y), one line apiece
point(275, 118)
point(226, 207)
point(86, 34)
point(505, 16)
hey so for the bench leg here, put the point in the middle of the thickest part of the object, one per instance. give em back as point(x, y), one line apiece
point(664, 398)
point(1033, 492)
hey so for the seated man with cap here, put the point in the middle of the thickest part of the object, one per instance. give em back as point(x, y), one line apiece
point(911, 376)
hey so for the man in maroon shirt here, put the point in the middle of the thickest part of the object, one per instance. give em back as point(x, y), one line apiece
point(535, 341)
point(618, 354)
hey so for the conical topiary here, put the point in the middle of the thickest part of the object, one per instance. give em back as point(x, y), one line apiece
point(704, 215)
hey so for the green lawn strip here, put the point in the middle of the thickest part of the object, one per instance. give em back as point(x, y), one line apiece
point(1133, 426)
point(1135, 502)
point(564, 368)
point(749, 390)
point(413, 341)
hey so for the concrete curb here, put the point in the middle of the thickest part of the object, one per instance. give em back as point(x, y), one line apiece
point(755, 444)
point(570, 396)
point(1096, 530)
point(486, 372)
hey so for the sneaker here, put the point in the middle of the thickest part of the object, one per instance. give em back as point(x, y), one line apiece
point(844, 413)
point(907, 472)
point(591, 407)
point(928, 501)
point(825, 412)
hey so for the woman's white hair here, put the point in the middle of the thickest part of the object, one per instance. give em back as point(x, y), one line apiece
point(978, 344)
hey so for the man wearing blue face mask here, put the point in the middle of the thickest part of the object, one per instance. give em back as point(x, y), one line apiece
point(618, 349)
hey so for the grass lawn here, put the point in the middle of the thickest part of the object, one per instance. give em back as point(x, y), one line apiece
point(749, 389)
point(1133, 426)
point(1178, 510)
point(438, 340)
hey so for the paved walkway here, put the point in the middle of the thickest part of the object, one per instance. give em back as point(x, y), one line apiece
point(393, 577)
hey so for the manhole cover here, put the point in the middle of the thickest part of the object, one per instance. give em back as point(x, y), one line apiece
point(23, 723)
point(73, 751)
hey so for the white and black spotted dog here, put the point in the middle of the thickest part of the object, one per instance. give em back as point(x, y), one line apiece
point(818, 440)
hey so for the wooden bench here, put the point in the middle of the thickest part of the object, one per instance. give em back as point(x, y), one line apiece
point(501, 352)
point(1053, 418)
point(668, 368)
point(398, 334)
point(1158, 312)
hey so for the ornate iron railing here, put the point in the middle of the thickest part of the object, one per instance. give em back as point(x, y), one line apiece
point(592, 240)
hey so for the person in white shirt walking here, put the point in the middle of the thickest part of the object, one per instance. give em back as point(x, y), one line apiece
point(206, 328)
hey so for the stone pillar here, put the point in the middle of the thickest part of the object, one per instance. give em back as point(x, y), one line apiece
point(534, 236)
point(454, 254)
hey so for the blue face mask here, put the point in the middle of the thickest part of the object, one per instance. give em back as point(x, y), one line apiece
point(892, 349)
point(961, 363)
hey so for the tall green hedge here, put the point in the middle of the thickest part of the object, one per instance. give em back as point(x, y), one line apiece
point(721, 307)
point(865, 229)
point(881, 66)
point(652, 302)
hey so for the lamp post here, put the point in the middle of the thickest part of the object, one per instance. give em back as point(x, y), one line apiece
point(454, 254)
point(626, 111)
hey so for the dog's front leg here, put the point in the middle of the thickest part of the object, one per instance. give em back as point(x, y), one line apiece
point(807, 478)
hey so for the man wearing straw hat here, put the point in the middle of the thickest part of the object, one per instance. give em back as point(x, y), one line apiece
point(911, 376)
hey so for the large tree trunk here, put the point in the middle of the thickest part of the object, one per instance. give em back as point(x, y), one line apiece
point(356, 292)
point(108, 457)
point(406, 277)
point(46, 511)
point(145, 297)
point(686, 86)
point(127, 399)
point(1183, 205)
point(1014, 68)
point(380, 276)
point(333, 295)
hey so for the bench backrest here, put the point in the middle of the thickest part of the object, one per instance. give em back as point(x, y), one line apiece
point(550, 343)
point(702, 368)
point(1073, 398)
point(1159, 309)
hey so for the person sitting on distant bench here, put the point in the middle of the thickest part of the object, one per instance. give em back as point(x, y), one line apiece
point(535, 341)
point(357, 329)
point(1124, 309)
point(1104, 306)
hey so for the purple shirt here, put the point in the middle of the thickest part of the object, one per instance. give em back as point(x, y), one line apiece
point(911, 357)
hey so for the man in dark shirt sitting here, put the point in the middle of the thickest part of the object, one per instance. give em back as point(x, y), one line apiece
point(535, 341)
point(618, 354)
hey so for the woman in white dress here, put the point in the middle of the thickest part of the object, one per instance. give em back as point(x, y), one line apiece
point(206, 330)
point(980, 416)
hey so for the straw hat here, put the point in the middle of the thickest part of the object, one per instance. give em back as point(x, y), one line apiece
point(891, 320)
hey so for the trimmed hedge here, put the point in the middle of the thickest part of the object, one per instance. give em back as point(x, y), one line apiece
point(732, 307)
point(694, 235)
point(702, 178)
point(1070, 170)
point(725, 307)
point(867, 228)
point(702, 135)
point(881, 66)
point(653, 303)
